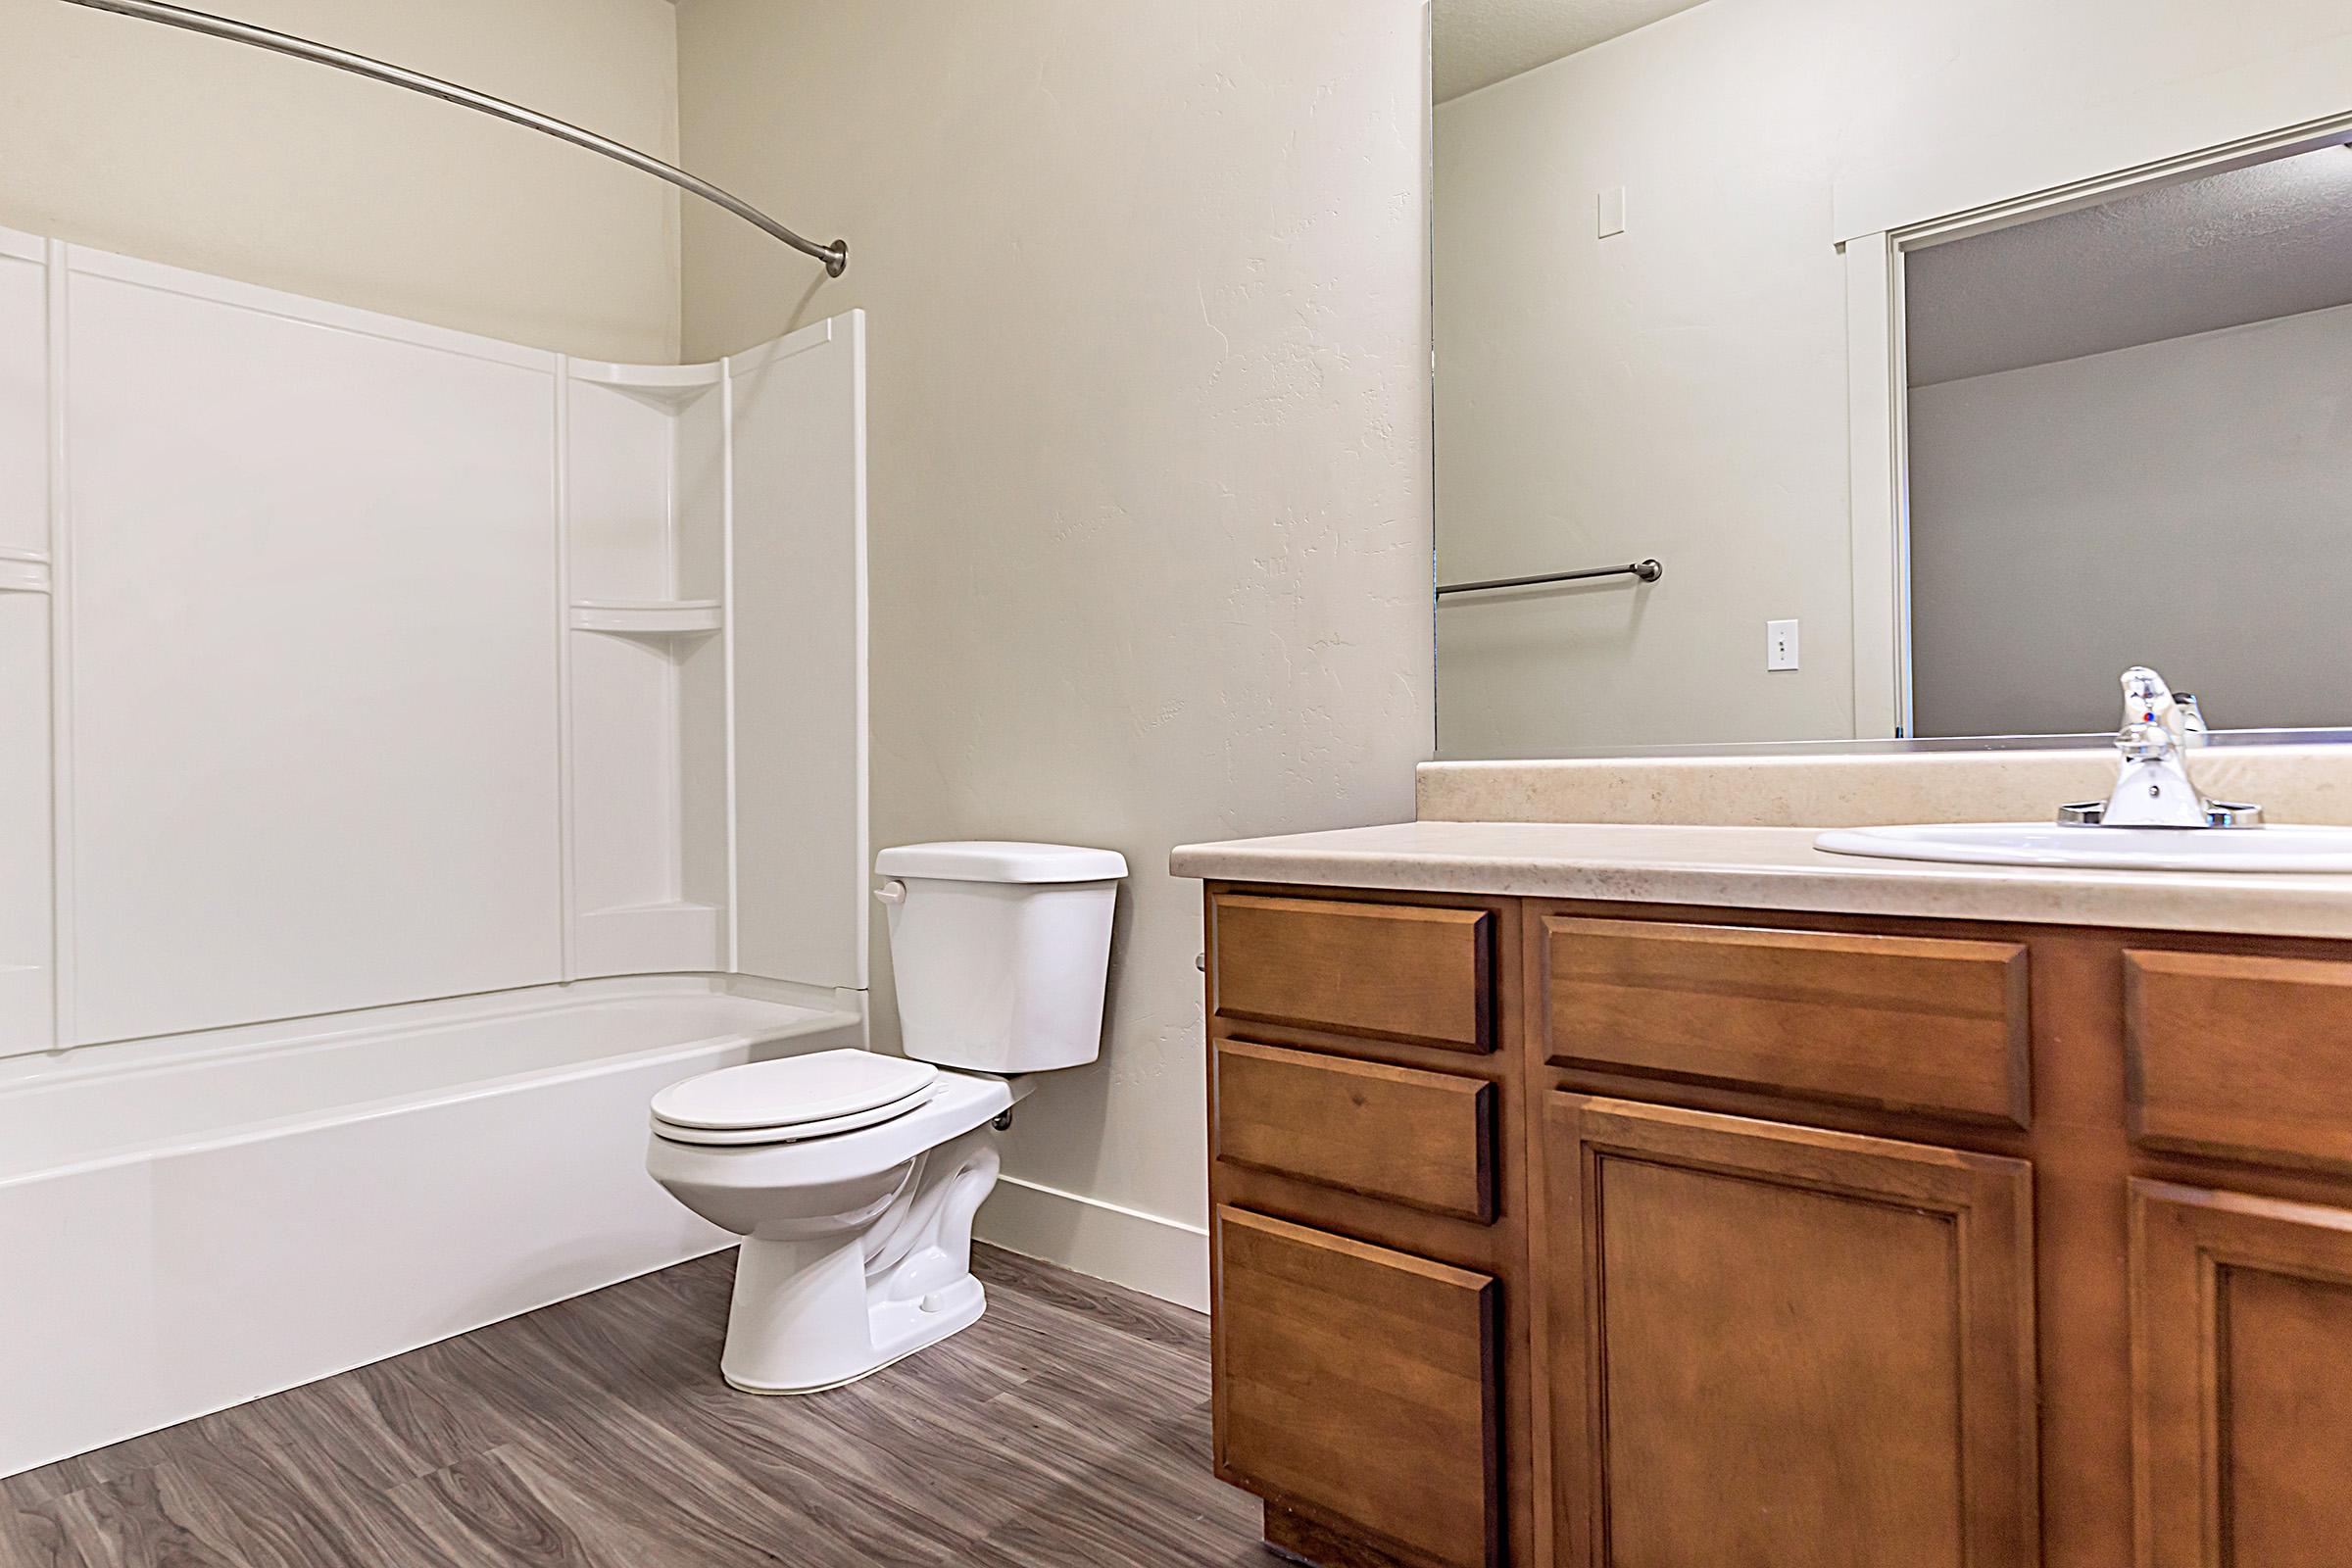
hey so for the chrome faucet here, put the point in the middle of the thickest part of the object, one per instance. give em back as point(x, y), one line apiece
point(2155, 789)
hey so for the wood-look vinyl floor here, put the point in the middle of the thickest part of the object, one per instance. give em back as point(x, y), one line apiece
point(1069, 1426)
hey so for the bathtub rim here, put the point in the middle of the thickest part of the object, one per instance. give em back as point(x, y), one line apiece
point(795, 1018)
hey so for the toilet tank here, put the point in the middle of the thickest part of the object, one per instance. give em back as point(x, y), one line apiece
point(1000, 952)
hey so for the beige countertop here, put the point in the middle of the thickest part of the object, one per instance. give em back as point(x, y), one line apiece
point(1767, 868)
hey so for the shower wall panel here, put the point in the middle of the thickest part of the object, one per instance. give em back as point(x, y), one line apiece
point(26, 1001)
point(23, 398)
point(798, 410)
point(27, 955)
point(314, 682)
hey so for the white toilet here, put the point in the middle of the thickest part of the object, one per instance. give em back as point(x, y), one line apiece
point(852, 1176)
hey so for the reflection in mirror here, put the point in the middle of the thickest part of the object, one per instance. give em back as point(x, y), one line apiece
point(2110, 413)
point(2130, 442)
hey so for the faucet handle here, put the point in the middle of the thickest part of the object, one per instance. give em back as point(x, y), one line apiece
point(2193, 728)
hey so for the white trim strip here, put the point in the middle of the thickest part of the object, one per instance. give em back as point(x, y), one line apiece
point(726, 618)
point(66, 1023)
point(1147, 1252)
point(567, 927)
point(1873, 483)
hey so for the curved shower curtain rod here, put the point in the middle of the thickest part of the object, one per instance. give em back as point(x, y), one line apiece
point(835, 255)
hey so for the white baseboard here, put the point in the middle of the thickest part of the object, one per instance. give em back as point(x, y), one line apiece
point(1162, 1257)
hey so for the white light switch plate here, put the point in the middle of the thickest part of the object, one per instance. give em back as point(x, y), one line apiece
point(1780, 645)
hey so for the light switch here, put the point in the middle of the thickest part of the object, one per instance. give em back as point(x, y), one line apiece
point(1611, 211)
point(1780, 645)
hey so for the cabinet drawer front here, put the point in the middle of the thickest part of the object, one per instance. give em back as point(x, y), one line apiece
point(1390, 972)
point(2239, 1056)
point(1908, 1023)
point(1358, 1382)
point(1419, 1137)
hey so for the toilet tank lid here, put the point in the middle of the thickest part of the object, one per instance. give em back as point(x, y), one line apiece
point(988, 860)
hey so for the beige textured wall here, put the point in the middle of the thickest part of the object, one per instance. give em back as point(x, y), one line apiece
point(1150, 458)
point(1680, 390)
point(162, 144)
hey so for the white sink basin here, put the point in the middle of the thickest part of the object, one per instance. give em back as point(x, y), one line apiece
point(2128, 848)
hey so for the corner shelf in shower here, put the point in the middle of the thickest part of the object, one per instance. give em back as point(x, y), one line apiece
point(666, 386)
point(648, 617)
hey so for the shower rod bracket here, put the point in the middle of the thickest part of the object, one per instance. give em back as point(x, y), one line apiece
point(835, 255)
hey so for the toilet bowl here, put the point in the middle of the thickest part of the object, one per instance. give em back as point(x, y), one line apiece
point(852, 1176)
point(857, 1243)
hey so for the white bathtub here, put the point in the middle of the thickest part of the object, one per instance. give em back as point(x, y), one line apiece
point(188, 1225)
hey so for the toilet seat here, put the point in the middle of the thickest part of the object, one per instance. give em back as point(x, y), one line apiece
point(795, 1131)
point(792, 1098)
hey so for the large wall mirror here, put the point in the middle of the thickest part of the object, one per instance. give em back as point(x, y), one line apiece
point(1834, 379)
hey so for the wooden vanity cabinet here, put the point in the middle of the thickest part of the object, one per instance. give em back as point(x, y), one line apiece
point(1613, 1236)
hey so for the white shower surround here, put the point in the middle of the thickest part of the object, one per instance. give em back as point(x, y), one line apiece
point(416, 750)
point(348, 661)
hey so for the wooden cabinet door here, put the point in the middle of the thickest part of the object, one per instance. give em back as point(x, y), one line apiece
point(1773, 1346)
point(2242, 1362)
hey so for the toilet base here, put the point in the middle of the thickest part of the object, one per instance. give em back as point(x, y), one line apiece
point(908, 1330)
point(819, 1312)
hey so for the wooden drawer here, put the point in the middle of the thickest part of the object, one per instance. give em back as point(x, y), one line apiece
point(1389, 971)
point(1359, 1382)
point(1422, 1138)
point(2244, 1058)
point(1906, 1023)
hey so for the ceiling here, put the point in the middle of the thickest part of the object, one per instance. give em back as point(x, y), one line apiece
point(2246, 245)
point(1480, 42)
